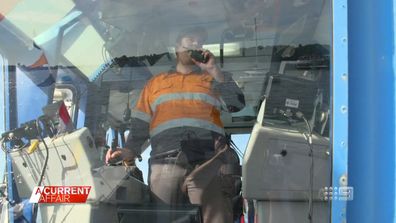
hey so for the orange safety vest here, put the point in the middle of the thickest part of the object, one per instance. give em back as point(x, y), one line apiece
point(171, 100)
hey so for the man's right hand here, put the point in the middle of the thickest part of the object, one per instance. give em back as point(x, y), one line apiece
point(115, 155)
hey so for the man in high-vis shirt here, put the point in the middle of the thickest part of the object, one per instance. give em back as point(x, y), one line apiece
point(179, 112)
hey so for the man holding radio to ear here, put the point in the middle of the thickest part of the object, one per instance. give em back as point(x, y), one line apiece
point(179, 112)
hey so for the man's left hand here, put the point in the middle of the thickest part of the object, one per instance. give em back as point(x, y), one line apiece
point(210, 66)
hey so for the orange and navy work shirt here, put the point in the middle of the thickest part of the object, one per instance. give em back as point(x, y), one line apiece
point(175, 108)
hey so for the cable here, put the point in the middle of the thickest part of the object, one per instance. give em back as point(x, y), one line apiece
point(46, 153)
point(108, 62)
point(18, 148)
point(35, 206)
point(2, 194)
point(235, 147)
point(287, 116)
point(6, 151)
point(311, 170)
point(15, 148)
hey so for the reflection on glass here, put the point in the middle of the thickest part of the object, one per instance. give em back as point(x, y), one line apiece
point(172, 83)
point(33, 18)
point(88, 42)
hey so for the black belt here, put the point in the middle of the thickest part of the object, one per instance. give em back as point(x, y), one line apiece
point(170, 153)
point(171, 157)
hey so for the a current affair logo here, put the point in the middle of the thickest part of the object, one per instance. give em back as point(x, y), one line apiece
point(60, 194)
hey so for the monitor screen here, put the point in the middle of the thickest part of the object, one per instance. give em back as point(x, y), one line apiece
point(289, 95)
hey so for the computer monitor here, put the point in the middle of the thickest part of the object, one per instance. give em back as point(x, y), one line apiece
point(289, 95)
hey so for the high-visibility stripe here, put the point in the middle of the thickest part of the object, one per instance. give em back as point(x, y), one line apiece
point(177, 100)
point(186, 96)
point(186, 122)
point(141, 115)
point(178, 109)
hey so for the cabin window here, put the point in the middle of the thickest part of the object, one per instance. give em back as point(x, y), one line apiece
point(124, 71)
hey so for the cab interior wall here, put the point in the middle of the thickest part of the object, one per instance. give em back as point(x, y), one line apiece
point(264, 35)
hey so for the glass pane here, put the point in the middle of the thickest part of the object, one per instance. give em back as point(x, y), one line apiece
point(32, 18)
point(156, 105)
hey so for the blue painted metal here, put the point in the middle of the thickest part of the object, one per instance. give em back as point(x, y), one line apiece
point(10, 189)
point(10, 185)
point(27, 213)
point(31, 99)
point(340, 105)
point(6, 125)
point(20, 112)
point(2, 118)
point(372, 101)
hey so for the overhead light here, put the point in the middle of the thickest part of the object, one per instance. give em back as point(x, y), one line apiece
point(230, 49)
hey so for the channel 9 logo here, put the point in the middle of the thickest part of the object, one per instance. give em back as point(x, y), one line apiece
point(337, 193)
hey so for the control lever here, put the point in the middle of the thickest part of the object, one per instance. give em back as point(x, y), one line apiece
point(127, 113)
point(114, 142)
point(113, 147)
